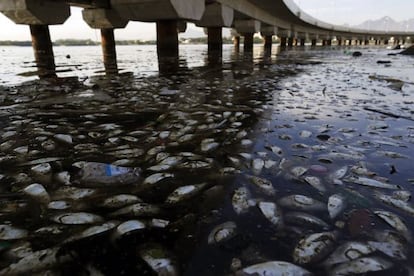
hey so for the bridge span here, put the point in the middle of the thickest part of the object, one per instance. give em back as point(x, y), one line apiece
point(247, 17)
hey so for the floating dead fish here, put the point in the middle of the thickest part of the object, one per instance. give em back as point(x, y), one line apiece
point(64, 138)
point(402, 195)
point(315, 182)
point(119, 201)
point(392, 249)
point(240, 200)
point(361, 265)
point(208, 145)
point(73, 193)
point(396, 222)
point(257, 165)
point(8, 232)
point(347, 252)
point(159, 260)
point(63, 178)
point(41, 161)
point(128, 227)
point(305, 220)
point(274, 268)
point(184, 192)
point(157, 177)
point(398, 203)
point(76, 218)
point(337, 175)
point(305, 134)
point(314, 247)
point(275, 149)
point(36, 262)
point(59, 205)
point(301, 202)
point(137, 210)
point(197, 164)
point(38, 193)
point(371, 183)
point(272, 212)
point(336, 204)
point(263, 184)
point(222, 232)
point(298, 171)
point(93, 231)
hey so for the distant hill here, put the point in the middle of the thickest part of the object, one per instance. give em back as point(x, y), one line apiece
point(387, 24)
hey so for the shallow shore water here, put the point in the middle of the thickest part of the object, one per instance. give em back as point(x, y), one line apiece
point(299, 163)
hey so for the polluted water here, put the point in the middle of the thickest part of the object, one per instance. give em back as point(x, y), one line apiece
point(299, 163)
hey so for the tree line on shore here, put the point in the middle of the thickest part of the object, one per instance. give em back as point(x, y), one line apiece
point(89, 42)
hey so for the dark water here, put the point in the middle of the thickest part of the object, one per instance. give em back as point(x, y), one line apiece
point(320, 107)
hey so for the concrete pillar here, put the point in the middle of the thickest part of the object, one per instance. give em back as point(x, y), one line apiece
point(329, 42)
point(268, 41)
point(386, 41)
point(215, 41)
point(403, 42)
point(290, 41)
point(366, 42)
point(302, 42)
point(109, 51)
point(313, 42)
point(167, 39)
point(248, 42)
point(283, 41)
point(350, 42)
point(236, 42)
point(43, 50)
point(339, 41)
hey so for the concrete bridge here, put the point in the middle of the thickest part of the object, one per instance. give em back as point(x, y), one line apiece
point(247, 17)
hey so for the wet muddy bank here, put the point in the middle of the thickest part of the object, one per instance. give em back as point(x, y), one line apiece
point(299, 158)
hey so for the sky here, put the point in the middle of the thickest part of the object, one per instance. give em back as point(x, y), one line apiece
point(340, 12)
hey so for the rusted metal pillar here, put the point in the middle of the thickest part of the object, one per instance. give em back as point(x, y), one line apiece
point(109, 51)
point(215, 41)
point(290, 42)
point(248, 42)
point(313, 42)
point(302, 42)
point(43, 51)
point(167, 39)
point(283, 41)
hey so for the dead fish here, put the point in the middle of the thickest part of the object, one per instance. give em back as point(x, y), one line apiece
point(157, 177)
point(159, 260)
point(315, 182)
point(301, 202)
point(128, 227)
point(275, 149)
point(119, 201)
point(398, 203)
point(361, 265)
point(137, 210)
point(305, 134)
point(306, 220)
point(38, 193)
point(73, 193)
point(197, 164)
point(64, 138)
point(257, 165)
point(347, 252)
point(76, 218)
point(314, 247)
point(371, 183)
point(240, 200)
point(209, 144)
point(272, 212)
point(392, 249)
point(263, 184)
point(402, 195)
point(37, 261)
point(8, 232)
point(336, 204)
point(222, 233)
point(93, 231)
point(337, 175)
point(63, 178)
point(298, 171)
point(59, 205)
point(274, 268)
point(184, 192)
point(396, 222)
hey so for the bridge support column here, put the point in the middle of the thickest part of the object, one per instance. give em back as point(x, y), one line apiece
point(329, 42)
point(109, 51)
point(313, 42)
point(302, 42)
point(236, 42)
point(283, 41)
point(268, 42)
point(339, 42)
point(43, 50)
point(290, 41)
point(248, 42)
point(215, 41)
point(366, 42)
point(167, 39)
point(386, 41)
